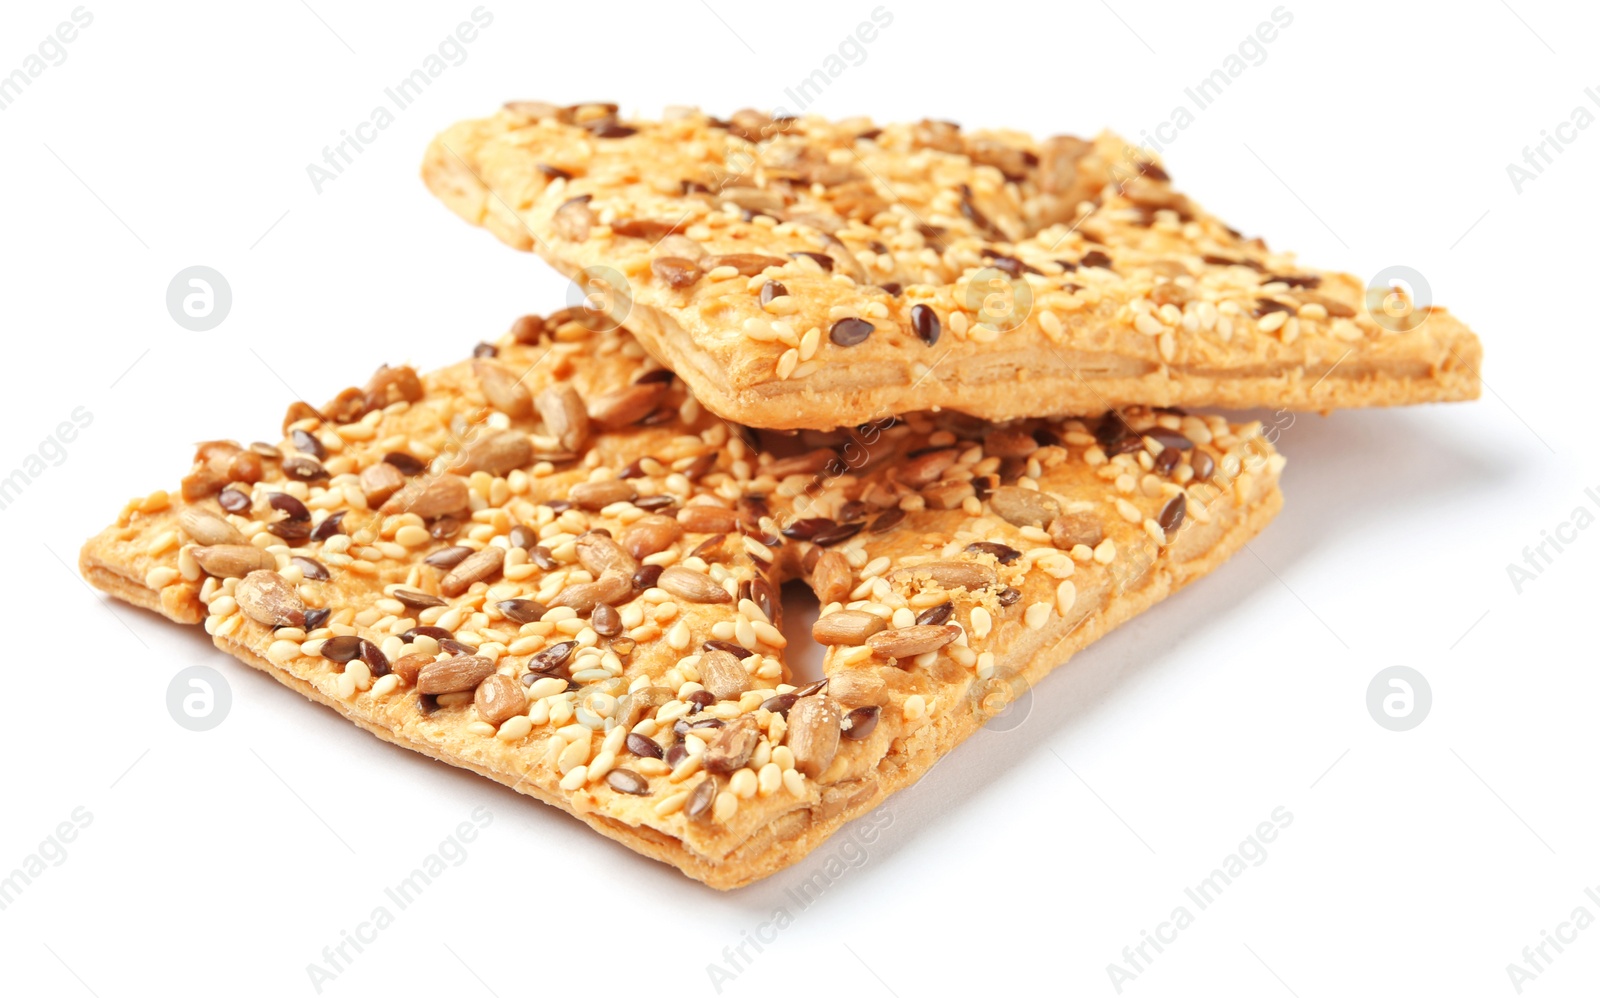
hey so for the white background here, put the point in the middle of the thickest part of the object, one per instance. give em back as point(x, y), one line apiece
point(1375, 133)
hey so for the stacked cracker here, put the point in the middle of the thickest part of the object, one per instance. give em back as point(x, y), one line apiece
point(557, 562)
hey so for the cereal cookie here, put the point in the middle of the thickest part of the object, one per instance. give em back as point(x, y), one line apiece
point(808, 273)
point(547, 564)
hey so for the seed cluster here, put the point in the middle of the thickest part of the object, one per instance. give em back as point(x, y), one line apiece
point(551, 551)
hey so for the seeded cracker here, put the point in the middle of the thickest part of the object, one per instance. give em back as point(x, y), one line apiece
point(806, 273)
point(488, 565)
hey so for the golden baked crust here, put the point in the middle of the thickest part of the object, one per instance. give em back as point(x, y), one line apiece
point(1059, 276)
point(980, 555)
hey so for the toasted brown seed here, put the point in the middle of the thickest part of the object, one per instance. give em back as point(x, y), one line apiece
point(477, 567)
point(406, 666)
point(723, 675)
point(696, 587)
point(747, 264)
point(207, 527)
point(1172, 513)
point(600, 554)
point(380, 481)
point(1023, 507)
point(937, 614)
point(267, 598)
point(947, 575)
point(313, 569)
point(430, 497)
point(499, 698)
point(574, 219)
point(552, 657)
point(846, 627)
point(813, 734)
point(909, 642)
point(1003, 553)
point(925, 323)
point(832, 577)
point(850, 332)
point(863, 721)
point(701, 519)
point(650, 535)
point(605, 620)
point(926, 469)
point(640, 704)
point(626, 406)
point(1066, 532)
point(701, 798)
point(645, 748)
point(416, 600)
point(680, 245)
point(235, 501)
point(503, 389)
point(676, 271)
point(448, 557)
point(584, 596)
point(808, 463)
point(233, 561)
point(626, 781)
point(598, 495)
point(497, 453)
point(454, 675)
point(521, 611)
point(564, 415)
point(856, 687)
point(732, 748)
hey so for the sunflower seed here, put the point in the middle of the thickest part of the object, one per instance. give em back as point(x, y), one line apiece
point(696, 587)
point(564, 415)
point(600, 554)
point(1023, 507)
point(266, 598)
point(380, 481)
point(477, 567)
point(503, 389)
point(430, 497)
point(747, 264)
point(947, 575)
point(638, 705)
point(846, 627)
point(700, 519)
point(454, 675)
point(723, 675)
point(1067, 532)
point(574, 219)
point(499, 698)
point(676, 271)
point(625, 406)
point(909, 642)
point(233, 561)
point(207, 527)
point(813, 734)
point(733, 747)
point(596, 496)
point(497, 453)
point(584, 596)
point(650, 535)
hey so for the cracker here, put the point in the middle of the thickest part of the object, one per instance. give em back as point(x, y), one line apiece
point(807, 273)
point(386, 559)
